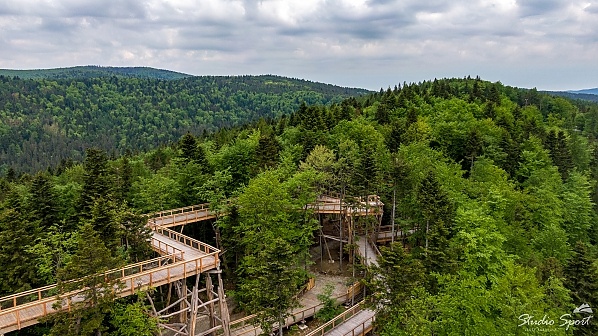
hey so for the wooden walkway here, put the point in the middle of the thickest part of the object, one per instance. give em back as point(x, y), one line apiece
point(367, 252)
point(310, 305)
point(385, 234)
point(360, 324)
point(181, 257)
point(325, 204)
point(355, 321)
point(362, 206)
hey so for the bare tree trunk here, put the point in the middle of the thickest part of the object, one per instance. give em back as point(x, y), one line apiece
point(340, 250)
point(427, 230)
point(392, 218)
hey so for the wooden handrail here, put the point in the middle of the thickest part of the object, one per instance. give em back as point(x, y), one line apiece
point(178, 211)
point(175, 250)
point(181, 238)
point(362, 325)
point(45, 292)
point(321, 330)
point(128, 279)
point(170, 212)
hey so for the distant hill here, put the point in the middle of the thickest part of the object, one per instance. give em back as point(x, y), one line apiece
point(593, 91)
point(575, 95)
point(91, 71)
point(43, 121)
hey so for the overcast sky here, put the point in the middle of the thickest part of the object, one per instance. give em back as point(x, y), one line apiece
point(548, 44)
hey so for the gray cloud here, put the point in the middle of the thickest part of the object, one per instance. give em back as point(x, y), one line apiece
point(541, 7)
point(367, 43)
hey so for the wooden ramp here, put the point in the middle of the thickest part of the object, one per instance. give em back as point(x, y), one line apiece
point(367, 252)
point(181, 216)
point(360, 324)
point(181, 257)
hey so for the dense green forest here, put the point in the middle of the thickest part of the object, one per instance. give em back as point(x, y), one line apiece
point(46, 121)
point(90, 71)
point(496, 185)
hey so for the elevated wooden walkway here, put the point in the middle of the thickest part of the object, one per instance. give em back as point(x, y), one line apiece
point(385, 234)
point(358, 325)
point(367, 251)
point(361, 206)
point(181, 257)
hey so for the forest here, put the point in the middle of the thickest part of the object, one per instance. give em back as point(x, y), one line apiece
point(495, 187)
point(45, 121)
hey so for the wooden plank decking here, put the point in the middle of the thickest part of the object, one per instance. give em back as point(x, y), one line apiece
point(367, 252)
point(360, 324)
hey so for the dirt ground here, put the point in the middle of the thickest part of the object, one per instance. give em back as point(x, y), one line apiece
point(323, 264)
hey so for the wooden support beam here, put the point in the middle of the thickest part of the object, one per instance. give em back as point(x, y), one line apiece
point(210, 290)
point(223, 308)
point(335, 238)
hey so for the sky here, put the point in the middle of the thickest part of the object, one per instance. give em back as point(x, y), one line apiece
point(373, 44)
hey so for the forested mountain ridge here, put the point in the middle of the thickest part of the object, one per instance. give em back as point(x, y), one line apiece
point(593, 91)
point(44, 121)
point(91, 71)
point(575, 95)
point(496, 187)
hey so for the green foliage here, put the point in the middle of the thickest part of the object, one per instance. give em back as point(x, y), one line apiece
point(52, 251)
point(16, 233)
point(90, 259)
point(96, 183)
point(133, 319)
point(330, 308)
point(274, 237)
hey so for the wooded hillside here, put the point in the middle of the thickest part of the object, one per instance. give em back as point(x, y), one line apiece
point(45, 121)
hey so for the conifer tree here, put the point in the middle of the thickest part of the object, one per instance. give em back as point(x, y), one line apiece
point(267, 151)
point(436, 213)
point(581, 276)
point(91, 258)
point(96, 181)
point(382, 113)
point(43, 205)
point(124, 179)
point(191, 152)
point(103, 221)
point(556, 143)
point(188, 147)
point(16, 234)
point(582, 281)
point(134, 234)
